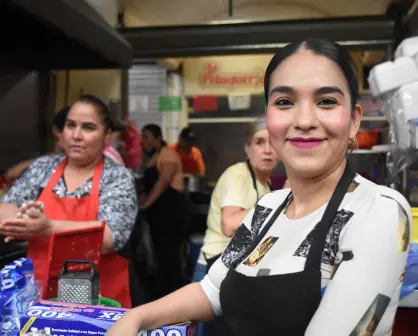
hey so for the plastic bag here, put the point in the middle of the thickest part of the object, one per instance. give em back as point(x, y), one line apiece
point(400, 111)
point(132, 153)
point(18, 292)
point(410, 280)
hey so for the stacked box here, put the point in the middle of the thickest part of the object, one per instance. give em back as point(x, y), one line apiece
point(65, 319)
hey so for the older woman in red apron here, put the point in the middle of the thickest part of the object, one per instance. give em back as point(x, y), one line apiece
point(78, 190)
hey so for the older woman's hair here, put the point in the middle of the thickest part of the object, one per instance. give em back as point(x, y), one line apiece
point(256, 126)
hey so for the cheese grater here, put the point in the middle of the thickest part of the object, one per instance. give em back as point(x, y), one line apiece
point(79, 287)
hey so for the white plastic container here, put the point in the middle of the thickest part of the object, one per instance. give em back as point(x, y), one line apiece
point(407, 48)
point(406, 99)
point(402, 112)
point(389, 76)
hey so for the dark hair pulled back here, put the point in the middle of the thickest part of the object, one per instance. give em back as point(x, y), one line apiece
point(156, 132)
point(101, 107)
point(323, 47)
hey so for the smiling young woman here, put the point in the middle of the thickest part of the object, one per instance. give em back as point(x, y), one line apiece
point(326, 258)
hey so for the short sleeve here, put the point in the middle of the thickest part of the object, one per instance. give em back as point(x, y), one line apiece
point(236, 189)
point(28, 187)
point(118, 205)
point(199, 161)
point(363, 295)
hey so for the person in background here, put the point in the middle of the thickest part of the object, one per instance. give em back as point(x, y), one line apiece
point(165, 206)
point(131, 150)
point(79, 188)
point(14, 172)
point(112, 146)
point(325, 258)
point(190, 156)
point(235, 194)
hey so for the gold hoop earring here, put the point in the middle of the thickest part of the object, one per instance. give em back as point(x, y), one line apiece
point(352, 144)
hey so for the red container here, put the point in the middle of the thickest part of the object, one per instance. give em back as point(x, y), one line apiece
point(75, 244)
point(367, 139)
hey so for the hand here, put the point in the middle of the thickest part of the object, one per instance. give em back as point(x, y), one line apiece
point(34, 224)
point(30, 207)
point(127, 325)
point(143, 202)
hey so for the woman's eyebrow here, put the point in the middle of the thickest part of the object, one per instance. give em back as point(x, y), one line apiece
point(282, 89)
point(329, 89)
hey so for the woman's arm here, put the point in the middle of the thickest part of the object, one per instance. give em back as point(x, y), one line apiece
point(17, 170)
point(8, 210)
point(36, 224)
point(188, 303)
point(197, 301)
point(363, 295)
point(167, 169)
point(118, 207)
point(232, 217)
point(25, 189)
point(235, 202)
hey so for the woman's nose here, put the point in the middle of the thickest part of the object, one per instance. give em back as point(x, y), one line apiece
point(77, 133)
point(267, 147)
point(305, 116)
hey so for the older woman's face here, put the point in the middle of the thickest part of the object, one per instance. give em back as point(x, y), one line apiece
point(84, 133)
point(309, 115)
point(260, 153)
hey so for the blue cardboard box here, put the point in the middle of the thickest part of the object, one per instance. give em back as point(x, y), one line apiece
point(65, 319)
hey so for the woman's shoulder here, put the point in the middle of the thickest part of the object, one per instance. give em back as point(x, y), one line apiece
point(115, 169)
point(392, 200)
point(378, 198)
point(168, 154)
point(49, 160)
point(274, 198)
point(237, 170)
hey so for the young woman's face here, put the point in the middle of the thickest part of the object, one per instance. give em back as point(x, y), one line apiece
point(260, 153)
point(84, 133)
point(148, 141)
point(309, 114)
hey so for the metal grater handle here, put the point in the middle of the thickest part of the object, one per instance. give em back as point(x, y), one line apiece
point(75, 261)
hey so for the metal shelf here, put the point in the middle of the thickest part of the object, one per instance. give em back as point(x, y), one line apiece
point(233, 120)
point(369, 151)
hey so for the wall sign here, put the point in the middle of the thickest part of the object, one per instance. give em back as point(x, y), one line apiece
point(224, 75)
point(212, 75)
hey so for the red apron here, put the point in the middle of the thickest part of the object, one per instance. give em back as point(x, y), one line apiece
point(114, 275)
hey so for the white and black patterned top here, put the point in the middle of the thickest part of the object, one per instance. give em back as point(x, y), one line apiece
point(362, 263)
point(118, 204)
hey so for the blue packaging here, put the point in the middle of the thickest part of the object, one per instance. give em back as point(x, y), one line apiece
point(65, 319)
point(18, 291)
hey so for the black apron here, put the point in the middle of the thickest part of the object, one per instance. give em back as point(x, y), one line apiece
point(282, 304)
point(169, 219)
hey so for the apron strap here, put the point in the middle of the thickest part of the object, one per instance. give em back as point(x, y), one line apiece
point(95, 184)
point(257, 239)
point(321, 230)
point(59, 171)
point(56, 176)
point(252, 173)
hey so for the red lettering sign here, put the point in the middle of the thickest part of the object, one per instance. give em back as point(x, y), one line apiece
point(212, 77)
